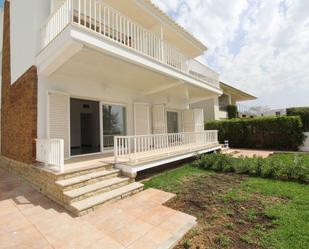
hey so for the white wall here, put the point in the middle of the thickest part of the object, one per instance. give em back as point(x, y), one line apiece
point(95, 91)
point(210, 107)
point(27, 18)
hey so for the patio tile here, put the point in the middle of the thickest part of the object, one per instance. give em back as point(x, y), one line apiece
point(106, 243)
point(143, 243)
point(30, 220)
point(158, 235)
point(157, 215)
point(130, 233)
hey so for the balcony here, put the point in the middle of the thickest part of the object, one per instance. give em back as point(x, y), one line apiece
point(101, 19)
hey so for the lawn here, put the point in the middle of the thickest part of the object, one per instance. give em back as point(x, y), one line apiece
point(237, 211)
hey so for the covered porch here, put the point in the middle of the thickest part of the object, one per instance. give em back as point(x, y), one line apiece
point(96, 103)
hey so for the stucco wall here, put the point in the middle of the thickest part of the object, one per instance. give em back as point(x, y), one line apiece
point(27, 18)
point(210, 107)
point(19, 106)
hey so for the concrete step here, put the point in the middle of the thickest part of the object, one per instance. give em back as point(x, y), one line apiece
point(85, 179)
point(89, 204)
point(95, 188)
point(71, 172)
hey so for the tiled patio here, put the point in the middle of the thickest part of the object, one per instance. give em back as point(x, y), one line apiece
point(30, 220)
point(248, 152)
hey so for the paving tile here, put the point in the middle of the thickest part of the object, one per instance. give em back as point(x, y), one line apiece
point(106, 243)
point(30, 220)
point(157, 215)
point(158, 235)
point(143, 243)
point(130, 233)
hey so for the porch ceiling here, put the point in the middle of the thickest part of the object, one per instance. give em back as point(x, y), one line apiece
point(90, 66)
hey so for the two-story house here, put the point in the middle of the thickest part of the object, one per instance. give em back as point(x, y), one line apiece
point(92, 90)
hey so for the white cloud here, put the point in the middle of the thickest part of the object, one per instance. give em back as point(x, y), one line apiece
point(259, 46)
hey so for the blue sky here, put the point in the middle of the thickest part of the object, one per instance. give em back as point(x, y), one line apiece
point(1, 3)
point(259, 46)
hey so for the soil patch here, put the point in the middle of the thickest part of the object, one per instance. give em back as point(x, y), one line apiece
point(227, 217)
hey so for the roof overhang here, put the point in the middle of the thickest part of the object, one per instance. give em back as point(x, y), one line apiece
point(164, 18)
point(237, 94)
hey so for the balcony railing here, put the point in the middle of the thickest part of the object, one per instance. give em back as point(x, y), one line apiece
point(98, 17)
point(132, 149)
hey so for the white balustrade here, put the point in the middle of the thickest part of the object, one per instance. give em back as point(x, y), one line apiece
point(102, 19)
point(51, 152)
point(134, 148)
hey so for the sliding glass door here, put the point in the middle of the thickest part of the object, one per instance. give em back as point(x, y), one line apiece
point(114, 124)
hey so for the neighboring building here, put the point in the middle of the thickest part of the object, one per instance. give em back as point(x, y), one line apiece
point(91, 87)
point(216, 108)
point(273, 112)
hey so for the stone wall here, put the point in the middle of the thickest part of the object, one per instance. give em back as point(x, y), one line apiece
point(19, 105)
point(42, 180)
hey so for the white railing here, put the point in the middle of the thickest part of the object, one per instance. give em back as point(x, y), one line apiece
point(51, 152)
point(98, 17)
point(57, 22)
point(135, 148)
point(201, 71)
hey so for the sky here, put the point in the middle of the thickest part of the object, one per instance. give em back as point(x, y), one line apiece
point(259, 46)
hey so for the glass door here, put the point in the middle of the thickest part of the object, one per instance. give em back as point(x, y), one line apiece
point(114, 124)
point(172, 122)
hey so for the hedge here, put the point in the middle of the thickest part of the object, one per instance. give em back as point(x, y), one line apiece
point(277, 133)
point(276, 166)
point(303, 113)
point(232, 111)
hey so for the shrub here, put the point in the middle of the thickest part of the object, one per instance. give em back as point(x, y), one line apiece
point(232, 111)
point(277, 167)
point(278, 133)
point(303, 113)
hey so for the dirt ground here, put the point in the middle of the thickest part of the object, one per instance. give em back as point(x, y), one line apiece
point(226, 219)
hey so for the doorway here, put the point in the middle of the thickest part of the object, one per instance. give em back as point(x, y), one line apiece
point(85, 126)
point(172, 122)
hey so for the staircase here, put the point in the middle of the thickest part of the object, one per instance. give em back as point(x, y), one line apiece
point(84, 190)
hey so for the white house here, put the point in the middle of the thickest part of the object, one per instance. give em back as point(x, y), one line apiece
point(89, 84)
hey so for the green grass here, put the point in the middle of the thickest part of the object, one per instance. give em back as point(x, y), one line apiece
point(172, 180)
point(289, 157)
point(290, 217)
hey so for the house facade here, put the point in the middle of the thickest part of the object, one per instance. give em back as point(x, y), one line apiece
point(93, 90)
point(216, 108)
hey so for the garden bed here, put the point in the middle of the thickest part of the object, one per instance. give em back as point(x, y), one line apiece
point(237, 211)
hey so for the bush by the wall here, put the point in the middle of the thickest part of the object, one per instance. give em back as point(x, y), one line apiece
point(277, 133)
point(303, 113)
point(232, 111)
point(294, 167)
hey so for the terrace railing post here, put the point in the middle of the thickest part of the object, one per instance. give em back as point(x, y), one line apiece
point(61, 155)
point(115, 149)
point(135, 145)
